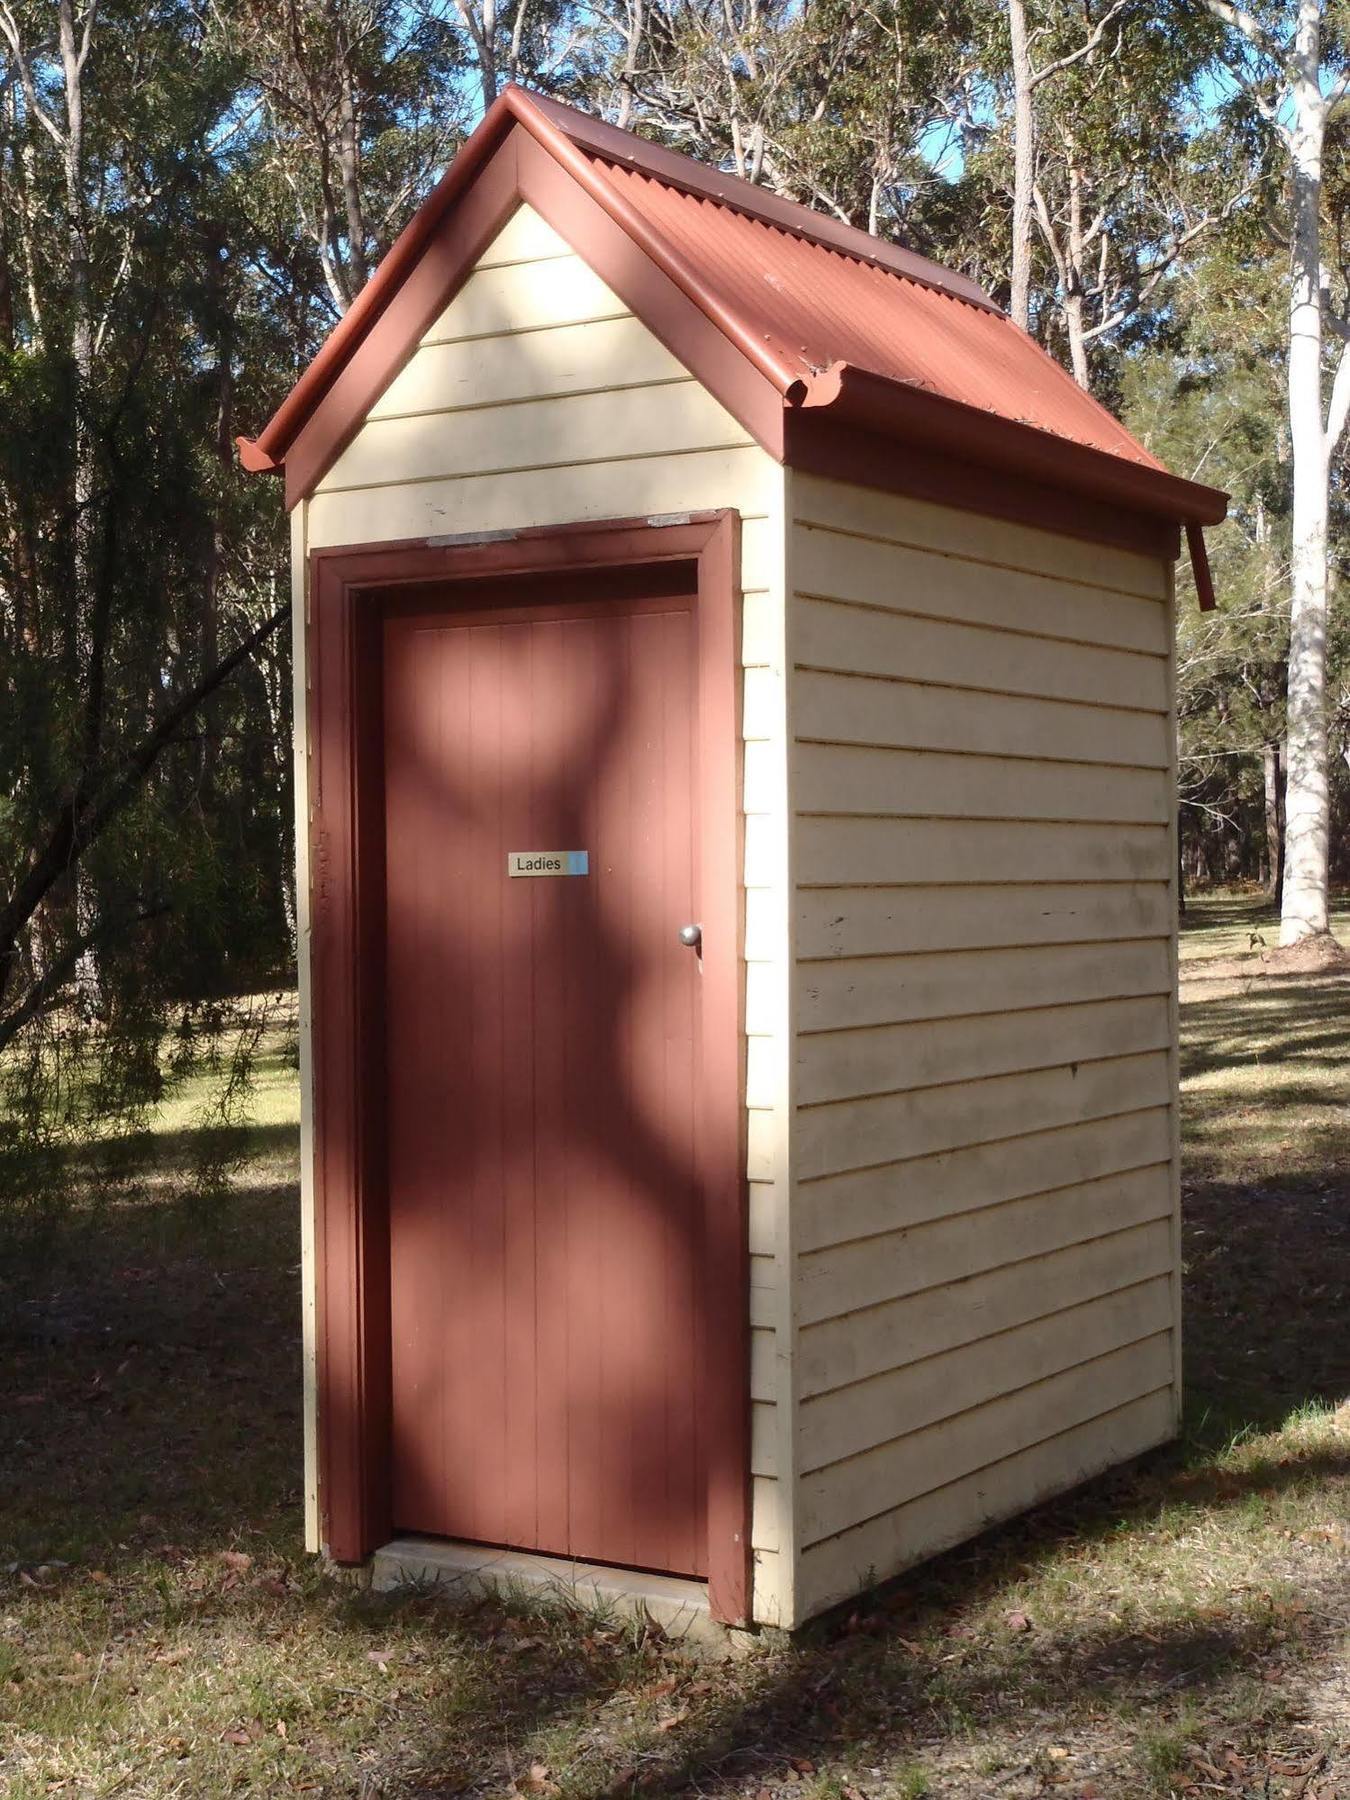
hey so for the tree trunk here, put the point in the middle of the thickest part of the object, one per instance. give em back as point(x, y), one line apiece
point(1303, 909)
point(81, 307)
point(81, 341)
point(349, 163)
point(7, 339)
point(1073, 285)
point(633, 31)
point(1024, 165)
point(1273, 770)
point(480, 21)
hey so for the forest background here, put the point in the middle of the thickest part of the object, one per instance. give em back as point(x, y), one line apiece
point(192, 193)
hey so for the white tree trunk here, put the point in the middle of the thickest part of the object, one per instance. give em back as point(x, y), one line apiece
point(73, 49)
point(479, 18)
point(635, 25)
point(349, 162)
point(1024, 164)
point(1303, 907)
point(1073, 284)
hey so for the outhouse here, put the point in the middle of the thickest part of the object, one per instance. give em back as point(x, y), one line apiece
point(735, 734)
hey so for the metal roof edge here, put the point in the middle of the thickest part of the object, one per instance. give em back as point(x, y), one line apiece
point(899, 409)
point(772, 361)
point(514, 106)
point(267, 451)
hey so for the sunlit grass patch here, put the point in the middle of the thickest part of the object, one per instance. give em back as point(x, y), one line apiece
point(1243, 923)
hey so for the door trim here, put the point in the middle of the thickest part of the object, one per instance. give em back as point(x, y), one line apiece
point(343, 740)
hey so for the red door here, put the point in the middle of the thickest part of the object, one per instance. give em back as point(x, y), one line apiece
point(542, 1033)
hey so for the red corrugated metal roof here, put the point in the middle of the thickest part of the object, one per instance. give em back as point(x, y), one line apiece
point(818, 306)
point(840, 326)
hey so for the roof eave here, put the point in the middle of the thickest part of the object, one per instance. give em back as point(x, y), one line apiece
point(899, 409)
point(267, 452)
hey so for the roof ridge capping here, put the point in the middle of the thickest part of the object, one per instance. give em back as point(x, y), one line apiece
point(609, 142)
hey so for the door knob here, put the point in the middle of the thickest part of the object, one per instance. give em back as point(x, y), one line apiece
point(691, 936)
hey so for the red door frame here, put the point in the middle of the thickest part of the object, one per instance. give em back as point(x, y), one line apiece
point(343, 639)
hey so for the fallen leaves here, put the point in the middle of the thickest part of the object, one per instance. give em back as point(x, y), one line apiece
point(537, 1779)
point(243, 1735)
point(798, 1768)
point(252, 1731)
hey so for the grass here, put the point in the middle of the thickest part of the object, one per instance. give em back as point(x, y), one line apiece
point(1242, 924)
point(1177, 1628)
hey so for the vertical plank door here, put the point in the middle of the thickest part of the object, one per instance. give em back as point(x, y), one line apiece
point(542, 1037)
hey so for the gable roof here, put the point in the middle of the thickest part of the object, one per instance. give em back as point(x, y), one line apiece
point(810, 331)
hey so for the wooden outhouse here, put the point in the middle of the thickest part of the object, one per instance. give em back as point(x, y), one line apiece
point(735, 755)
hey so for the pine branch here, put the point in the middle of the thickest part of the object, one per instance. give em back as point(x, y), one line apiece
point(63, 967)
point(81, 822)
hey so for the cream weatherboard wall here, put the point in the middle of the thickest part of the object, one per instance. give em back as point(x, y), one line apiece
point(538, 399)
point(984, 1193)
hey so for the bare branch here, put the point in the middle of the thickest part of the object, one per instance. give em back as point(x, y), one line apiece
point(1250, 27)
point(1084, 49)
point(9, 26)
point(78, 826)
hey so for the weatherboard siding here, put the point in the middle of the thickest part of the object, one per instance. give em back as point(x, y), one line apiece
point(538, 399)
point(983, 1074)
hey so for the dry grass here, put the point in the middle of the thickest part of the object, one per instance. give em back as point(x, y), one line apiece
point(1241, 924)
point(1178, 1628)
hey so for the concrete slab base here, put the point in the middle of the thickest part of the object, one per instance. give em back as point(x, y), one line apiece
point(678, 1606)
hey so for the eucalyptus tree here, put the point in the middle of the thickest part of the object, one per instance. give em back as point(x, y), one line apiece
point(1100, 134)
point(521, 40)
point(1209, 400)
point(139, 822)
point(854, 107)
point(1287, 67)
point(1203, 401)
point(1086, 29)
point(352, 107)
point(709, 77)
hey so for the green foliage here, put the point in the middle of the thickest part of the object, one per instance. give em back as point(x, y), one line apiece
point(132, 559)
point(168, 267)
point(1210, 404)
